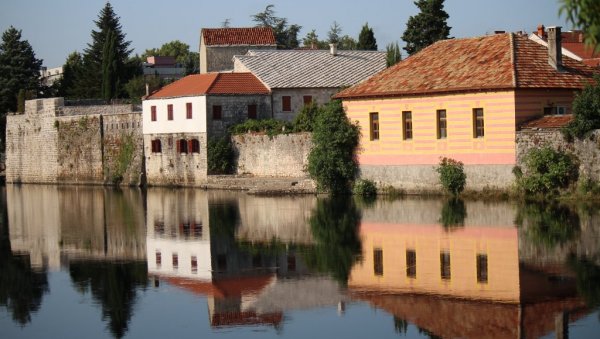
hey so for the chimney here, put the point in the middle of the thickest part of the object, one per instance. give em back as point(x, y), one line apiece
point(554, 47)
point(333, 49)
point(147, 89)
point(541, 31)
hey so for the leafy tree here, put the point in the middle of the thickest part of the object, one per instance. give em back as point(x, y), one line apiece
point(305, 120)
point(19, 70)
point(584, 14)
point(366, 39)
point(547, 171)
point(71, 70)
point(347, 43)
point(136, 87)
point(332, 162)
point(426, 27)
point(91, 81)
point(393, 54)
point(286, 35)
point(333, 36)
point(220, 155)
point(586, 112)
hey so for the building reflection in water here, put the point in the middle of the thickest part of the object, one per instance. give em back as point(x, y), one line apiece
point(244, 253)
point(462, 281)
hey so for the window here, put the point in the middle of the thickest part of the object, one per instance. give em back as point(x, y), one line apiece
point(182, 146)
point(169, 112)
point(291, 263)
point(378, 261)
point(252, 111)
point(478, 131)
point(158, 259)
point(374, 123)
point(307, 99)
point(482, 268)
point(197, 230)
point(153, 113)
point(286, 103)
point(194, 146)
point(411, 263)
point(194, 264)
point(156, 146)
point(188, 110)
point(407, 125)
point(445, 265)
point(442, 131)
point(555, 110)
point(175, 261)
point(217, 112)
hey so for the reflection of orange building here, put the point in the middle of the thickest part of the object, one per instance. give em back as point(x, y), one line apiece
point(461, 282)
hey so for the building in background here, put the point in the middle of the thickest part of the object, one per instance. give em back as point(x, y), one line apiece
point(573, 45)
point(164, 67)
point(49, 75)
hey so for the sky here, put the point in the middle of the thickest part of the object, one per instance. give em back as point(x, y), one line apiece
point(55, 28)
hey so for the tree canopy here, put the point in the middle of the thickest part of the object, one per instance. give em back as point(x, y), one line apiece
point(393, 54)
point(586, 112)
point(584, 14)
point(286, 35)
point(366, 39)
point(426, 27)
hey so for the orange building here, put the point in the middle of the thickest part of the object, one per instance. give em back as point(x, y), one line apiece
point(463, 99)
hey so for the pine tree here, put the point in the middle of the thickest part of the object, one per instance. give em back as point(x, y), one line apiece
point(333, 36)
point(109, 68)
point(19, 70)
point(393, 54)
point(366, 39)
point(426, 27)
point(286, 35)
point(90, 83)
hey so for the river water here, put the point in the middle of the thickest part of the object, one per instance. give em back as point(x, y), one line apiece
point(94, 262)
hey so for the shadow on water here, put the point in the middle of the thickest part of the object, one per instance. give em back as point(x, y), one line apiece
point(453, 213)
point(21, 287)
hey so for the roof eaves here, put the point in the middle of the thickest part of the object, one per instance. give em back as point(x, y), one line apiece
point(420, 93)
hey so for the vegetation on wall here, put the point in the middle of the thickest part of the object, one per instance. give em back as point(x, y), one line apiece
point(123, 159)
point(586, 112)
point(546, 171)
point(452, 175)
point(365, 188)
point(220, 155)
point(332, 161)
point(269, 127)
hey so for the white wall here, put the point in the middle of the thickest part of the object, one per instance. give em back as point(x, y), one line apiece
point(179, 124)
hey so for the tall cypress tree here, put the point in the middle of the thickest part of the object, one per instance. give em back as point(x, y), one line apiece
point(110, 70)
point(90, 84)
point(19, 70)
point(426, 27)
point(366, 39)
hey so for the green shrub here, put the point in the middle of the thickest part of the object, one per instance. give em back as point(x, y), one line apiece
point(547, 170)
point(332, 162)
point(453, 213)
point(587, 186)
point(269, 127)
point(586, 112)
point(364, 188)
point(452, 175)
point(220, 156)
point(305, 120)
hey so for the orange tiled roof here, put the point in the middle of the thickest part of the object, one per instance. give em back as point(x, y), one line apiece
point(238, 36)
point(548, 121)
point(501, 61)
point(212, 83)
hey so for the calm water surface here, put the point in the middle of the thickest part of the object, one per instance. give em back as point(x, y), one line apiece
point(90, 262)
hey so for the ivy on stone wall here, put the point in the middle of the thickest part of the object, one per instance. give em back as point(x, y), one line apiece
point(124, 158)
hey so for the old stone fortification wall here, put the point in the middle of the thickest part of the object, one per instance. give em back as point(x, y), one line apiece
point(587, 151)
point(282, 155)
point(53, 143)
point(171, 168)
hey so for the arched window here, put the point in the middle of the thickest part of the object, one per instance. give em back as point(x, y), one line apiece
point(156, 146)
point(182, 146)
point(194, 146)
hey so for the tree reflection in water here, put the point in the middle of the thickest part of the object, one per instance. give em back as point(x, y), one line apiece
point(548, 224)
point(21, 287)
point(588, 279)
point(334, 225)
point(114, 285)
point(453, 213)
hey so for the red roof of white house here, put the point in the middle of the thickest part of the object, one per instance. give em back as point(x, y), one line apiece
point(254, 36)
point(494, 62)
point(212, 83)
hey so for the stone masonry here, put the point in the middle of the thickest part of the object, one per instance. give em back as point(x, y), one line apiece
point(235, 111)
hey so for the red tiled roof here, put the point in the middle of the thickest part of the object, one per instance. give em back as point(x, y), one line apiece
point(212, 83)
point(590, 56)
point(500, 61)
point(238, 36)
point(548, 121)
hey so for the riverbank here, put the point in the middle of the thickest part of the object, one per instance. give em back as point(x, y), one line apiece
point(262, 185)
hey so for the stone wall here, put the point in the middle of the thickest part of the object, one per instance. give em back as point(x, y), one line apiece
point(123, 145)
point(79, 149)
point(282, 155)
point(587, 151)
point(171, 168)
point(234, 111)
point(220, 58)
point(320, 96)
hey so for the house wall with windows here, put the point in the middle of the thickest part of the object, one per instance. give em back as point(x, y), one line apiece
point(296, 99)
point(531, 104)
point(234, 109)
point(391, 156)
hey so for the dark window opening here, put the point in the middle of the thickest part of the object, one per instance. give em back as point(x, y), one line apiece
point(482, 268)
point(217, 112)
point(307, 99)
point(445, 265)
point(194, 146)
point(478, 131)
point(378, 261)
point(411, 263)
point(442, 130)
point(169, 112)
point(252, 112)
point(188, 110)
point(175, 261)
point(407, 125)
point(374, 123)
point(286, 103)
point(158, 259)
point(182, 146)
point(153, 113)
point(156, 146)
point(194, 264)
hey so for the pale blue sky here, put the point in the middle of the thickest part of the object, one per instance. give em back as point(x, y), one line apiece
point(57, 27)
